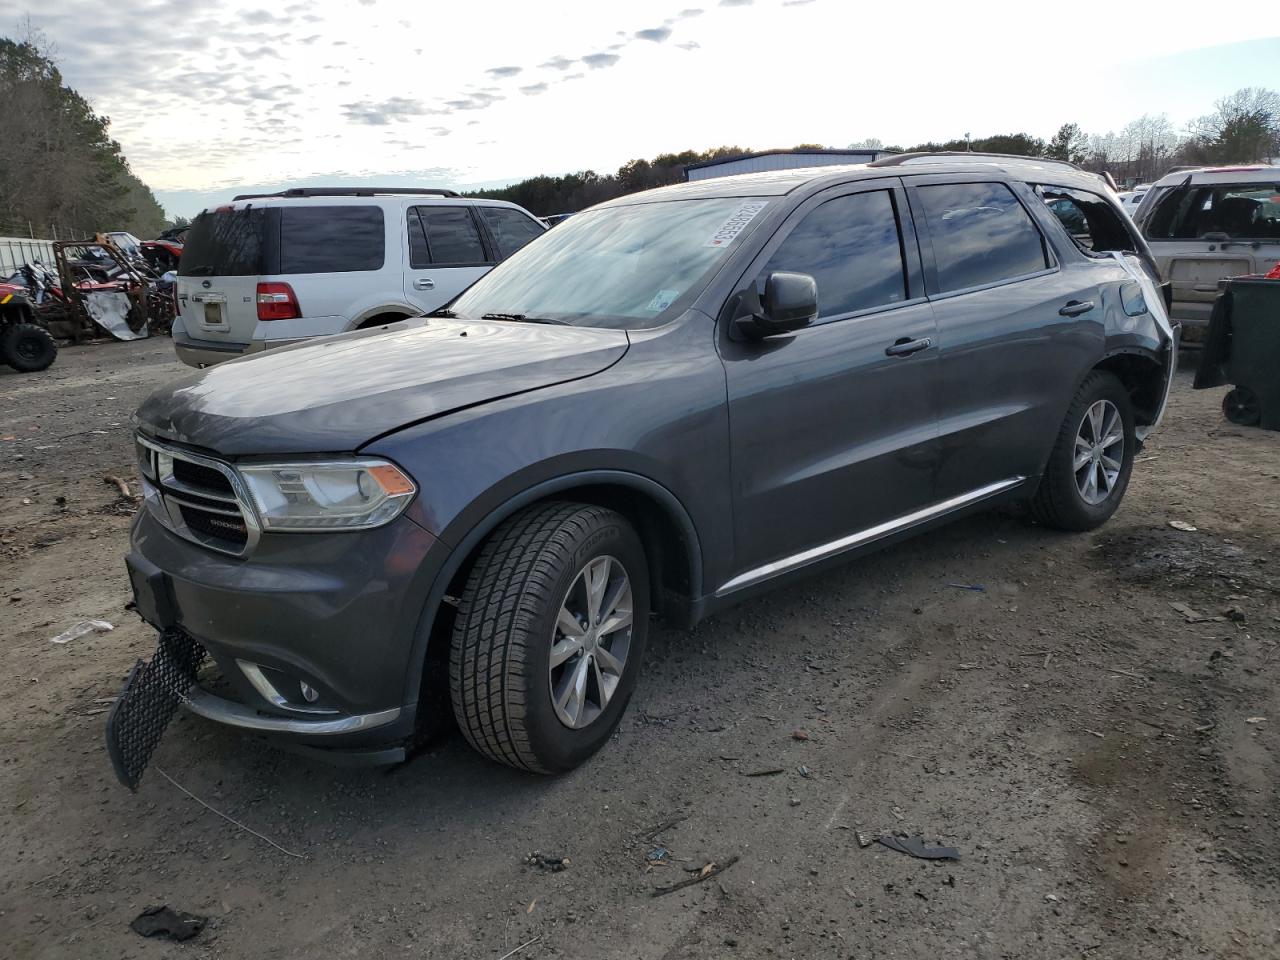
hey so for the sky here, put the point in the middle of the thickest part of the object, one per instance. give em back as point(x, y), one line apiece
point(214, 97)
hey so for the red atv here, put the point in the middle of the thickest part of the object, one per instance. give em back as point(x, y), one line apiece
point(25, 344)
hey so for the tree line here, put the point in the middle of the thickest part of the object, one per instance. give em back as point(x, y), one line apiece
point(1243, 127)
point(61, 174)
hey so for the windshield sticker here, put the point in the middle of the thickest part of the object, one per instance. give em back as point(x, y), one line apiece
point(662, 299)
point(736, 223)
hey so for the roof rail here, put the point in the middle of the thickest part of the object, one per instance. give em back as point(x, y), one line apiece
point(899, 159)
point(350, 192)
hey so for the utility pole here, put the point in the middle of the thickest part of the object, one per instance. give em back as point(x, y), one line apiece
point(967, 146)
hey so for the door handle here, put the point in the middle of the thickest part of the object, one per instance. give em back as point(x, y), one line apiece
point(906, 346)
point(1073, 308)
point(424, 283)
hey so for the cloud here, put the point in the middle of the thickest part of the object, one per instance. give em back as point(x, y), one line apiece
point(558, 63)
point(259, 53)
point(736, 3)
point(534, 89)
point(691, 12)
point(503, 71)
point(259, 17)
point(380, 113)
point(654, 34)
point(795, 3)
point(572, 76)
point(598, 61)
point(474, 101)
point(689, 45)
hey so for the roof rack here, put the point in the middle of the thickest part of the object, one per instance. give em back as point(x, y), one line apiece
point(901, 158)
point(350, 192)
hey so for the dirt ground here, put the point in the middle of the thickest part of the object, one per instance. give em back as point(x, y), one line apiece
point(1105, 764)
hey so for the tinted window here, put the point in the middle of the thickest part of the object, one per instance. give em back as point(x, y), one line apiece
point(850, 246)
point(446, 235)
point(331, 239)
point(1091, 221)
point(226, 243)
point(1248, 211)
point(511, 228)
point(980, 234)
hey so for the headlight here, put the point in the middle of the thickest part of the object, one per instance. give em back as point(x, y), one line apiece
point(329, 495)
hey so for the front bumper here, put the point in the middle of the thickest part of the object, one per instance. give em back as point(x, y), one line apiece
point(337, 612)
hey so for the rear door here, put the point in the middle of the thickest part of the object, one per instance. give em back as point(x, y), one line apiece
point(222, 261)
point(1203, 233)
point(833, 427)
point(1014, 329)
point(448, 251)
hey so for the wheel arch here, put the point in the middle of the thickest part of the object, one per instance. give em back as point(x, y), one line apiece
point(1143, 375)
point(377, 316)
point(670, 539)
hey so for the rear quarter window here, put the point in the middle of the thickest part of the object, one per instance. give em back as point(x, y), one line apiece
point(980, 234)
point(510, 228)
point(337, 239)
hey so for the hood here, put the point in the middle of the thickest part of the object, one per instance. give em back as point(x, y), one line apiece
point(335, 395)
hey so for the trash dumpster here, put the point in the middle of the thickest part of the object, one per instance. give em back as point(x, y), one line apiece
point(1242, 348)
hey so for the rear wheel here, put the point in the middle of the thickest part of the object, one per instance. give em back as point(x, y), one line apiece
point(549, 636)
point(1088, 470)
point(27, 347)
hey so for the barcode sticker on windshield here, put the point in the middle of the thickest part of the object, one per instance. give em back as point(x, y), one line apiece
point(736, 223)
point(662, 299)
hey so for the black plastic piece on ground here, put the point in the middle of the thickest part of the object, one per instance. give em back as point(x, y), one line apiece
point(167, 922)
point(914, 846)
point(146, 703)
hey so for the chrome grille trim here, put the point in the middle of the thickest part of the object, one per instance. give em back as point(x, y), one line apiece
point(164, 496)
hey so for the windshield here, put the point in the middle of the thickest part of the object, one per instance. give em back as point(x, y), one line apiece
point(1245, 211)
point(626, 267)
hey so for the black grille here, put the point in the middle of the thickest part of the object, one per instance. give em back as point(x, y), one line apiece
point(147, 701)
point(198, 475)
point(231, 530)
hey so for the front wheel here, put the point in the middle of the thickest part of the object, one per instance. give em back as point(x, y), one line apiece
point(549, 636)
point(1088, 470)
point(27, 347)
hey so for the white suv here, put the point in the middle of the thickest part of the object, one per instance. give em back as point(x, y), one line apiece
point(268, 270)
point(1207, 225)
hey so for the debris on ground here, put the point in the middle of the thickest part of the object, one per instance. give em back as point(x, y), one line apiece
point(804, 772)
point(766, 772)
point(119, 484)
point(658, 855)
point(163, 921)
point(914, 846)
point(976, 587)
point(1255, 720)
point(864, 839)
point(1234, 614)
point(81, 629)
point(1192, 616)
point(705, 872)
point(1183, 526)
point(800, 735)
point(546, 862)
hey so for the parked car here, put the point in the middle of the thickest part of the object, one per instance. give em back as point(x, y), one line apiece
point(1207, 225)
point(274, 269)
point(671, 402)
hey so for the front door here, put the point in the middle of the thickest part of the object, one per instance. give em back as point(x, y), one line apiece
point(833, 427)
point(447, 254)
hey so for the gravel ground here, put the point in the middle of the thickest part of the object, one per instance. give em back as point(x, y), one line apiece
point(1104, 763)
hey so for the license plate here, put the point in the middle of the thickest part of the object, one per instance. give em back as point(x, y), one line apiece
point(152, 594)
point(213, 314)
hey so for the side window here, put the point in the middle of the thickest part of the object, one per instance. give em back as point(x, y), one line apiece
point(852, 248)
point(980, 234)
point(511, 228)
point(1093, 224)
point(337, 239)
point(1246, 211)
point(444, 236)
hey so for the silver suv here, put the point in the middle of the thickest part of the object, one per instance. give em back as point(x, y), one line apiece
point(269, 270)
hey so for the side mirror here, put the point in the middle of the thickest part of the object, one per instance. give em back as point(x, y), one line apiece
point(790, 302)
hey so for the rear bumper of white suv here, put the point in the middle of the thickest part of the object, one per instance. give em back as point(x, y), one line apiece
point(204, 353)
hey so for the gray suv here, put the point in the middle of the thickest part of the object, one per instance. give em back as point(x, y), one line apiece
point(667, 404)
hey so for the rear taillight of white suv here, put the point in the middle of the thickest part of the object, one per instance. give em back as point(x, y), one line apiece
point(277, 302)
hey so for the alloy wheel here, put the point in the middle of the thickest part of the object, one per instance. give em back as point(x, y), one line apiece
point(1099, 452)
point(590, 642)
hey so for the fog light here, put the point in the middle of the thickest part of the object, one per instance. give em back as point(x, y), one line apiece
point(309, 693)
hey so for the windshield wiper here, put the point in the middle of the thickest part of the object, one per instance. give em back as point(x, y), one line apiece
point(443, 312)
point(524, 318)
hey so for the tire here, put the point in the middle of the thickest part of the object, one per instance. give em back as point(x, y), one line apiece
point(1060, 501)
point(501, 676)
point(1241, 407)
point(27, 347)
